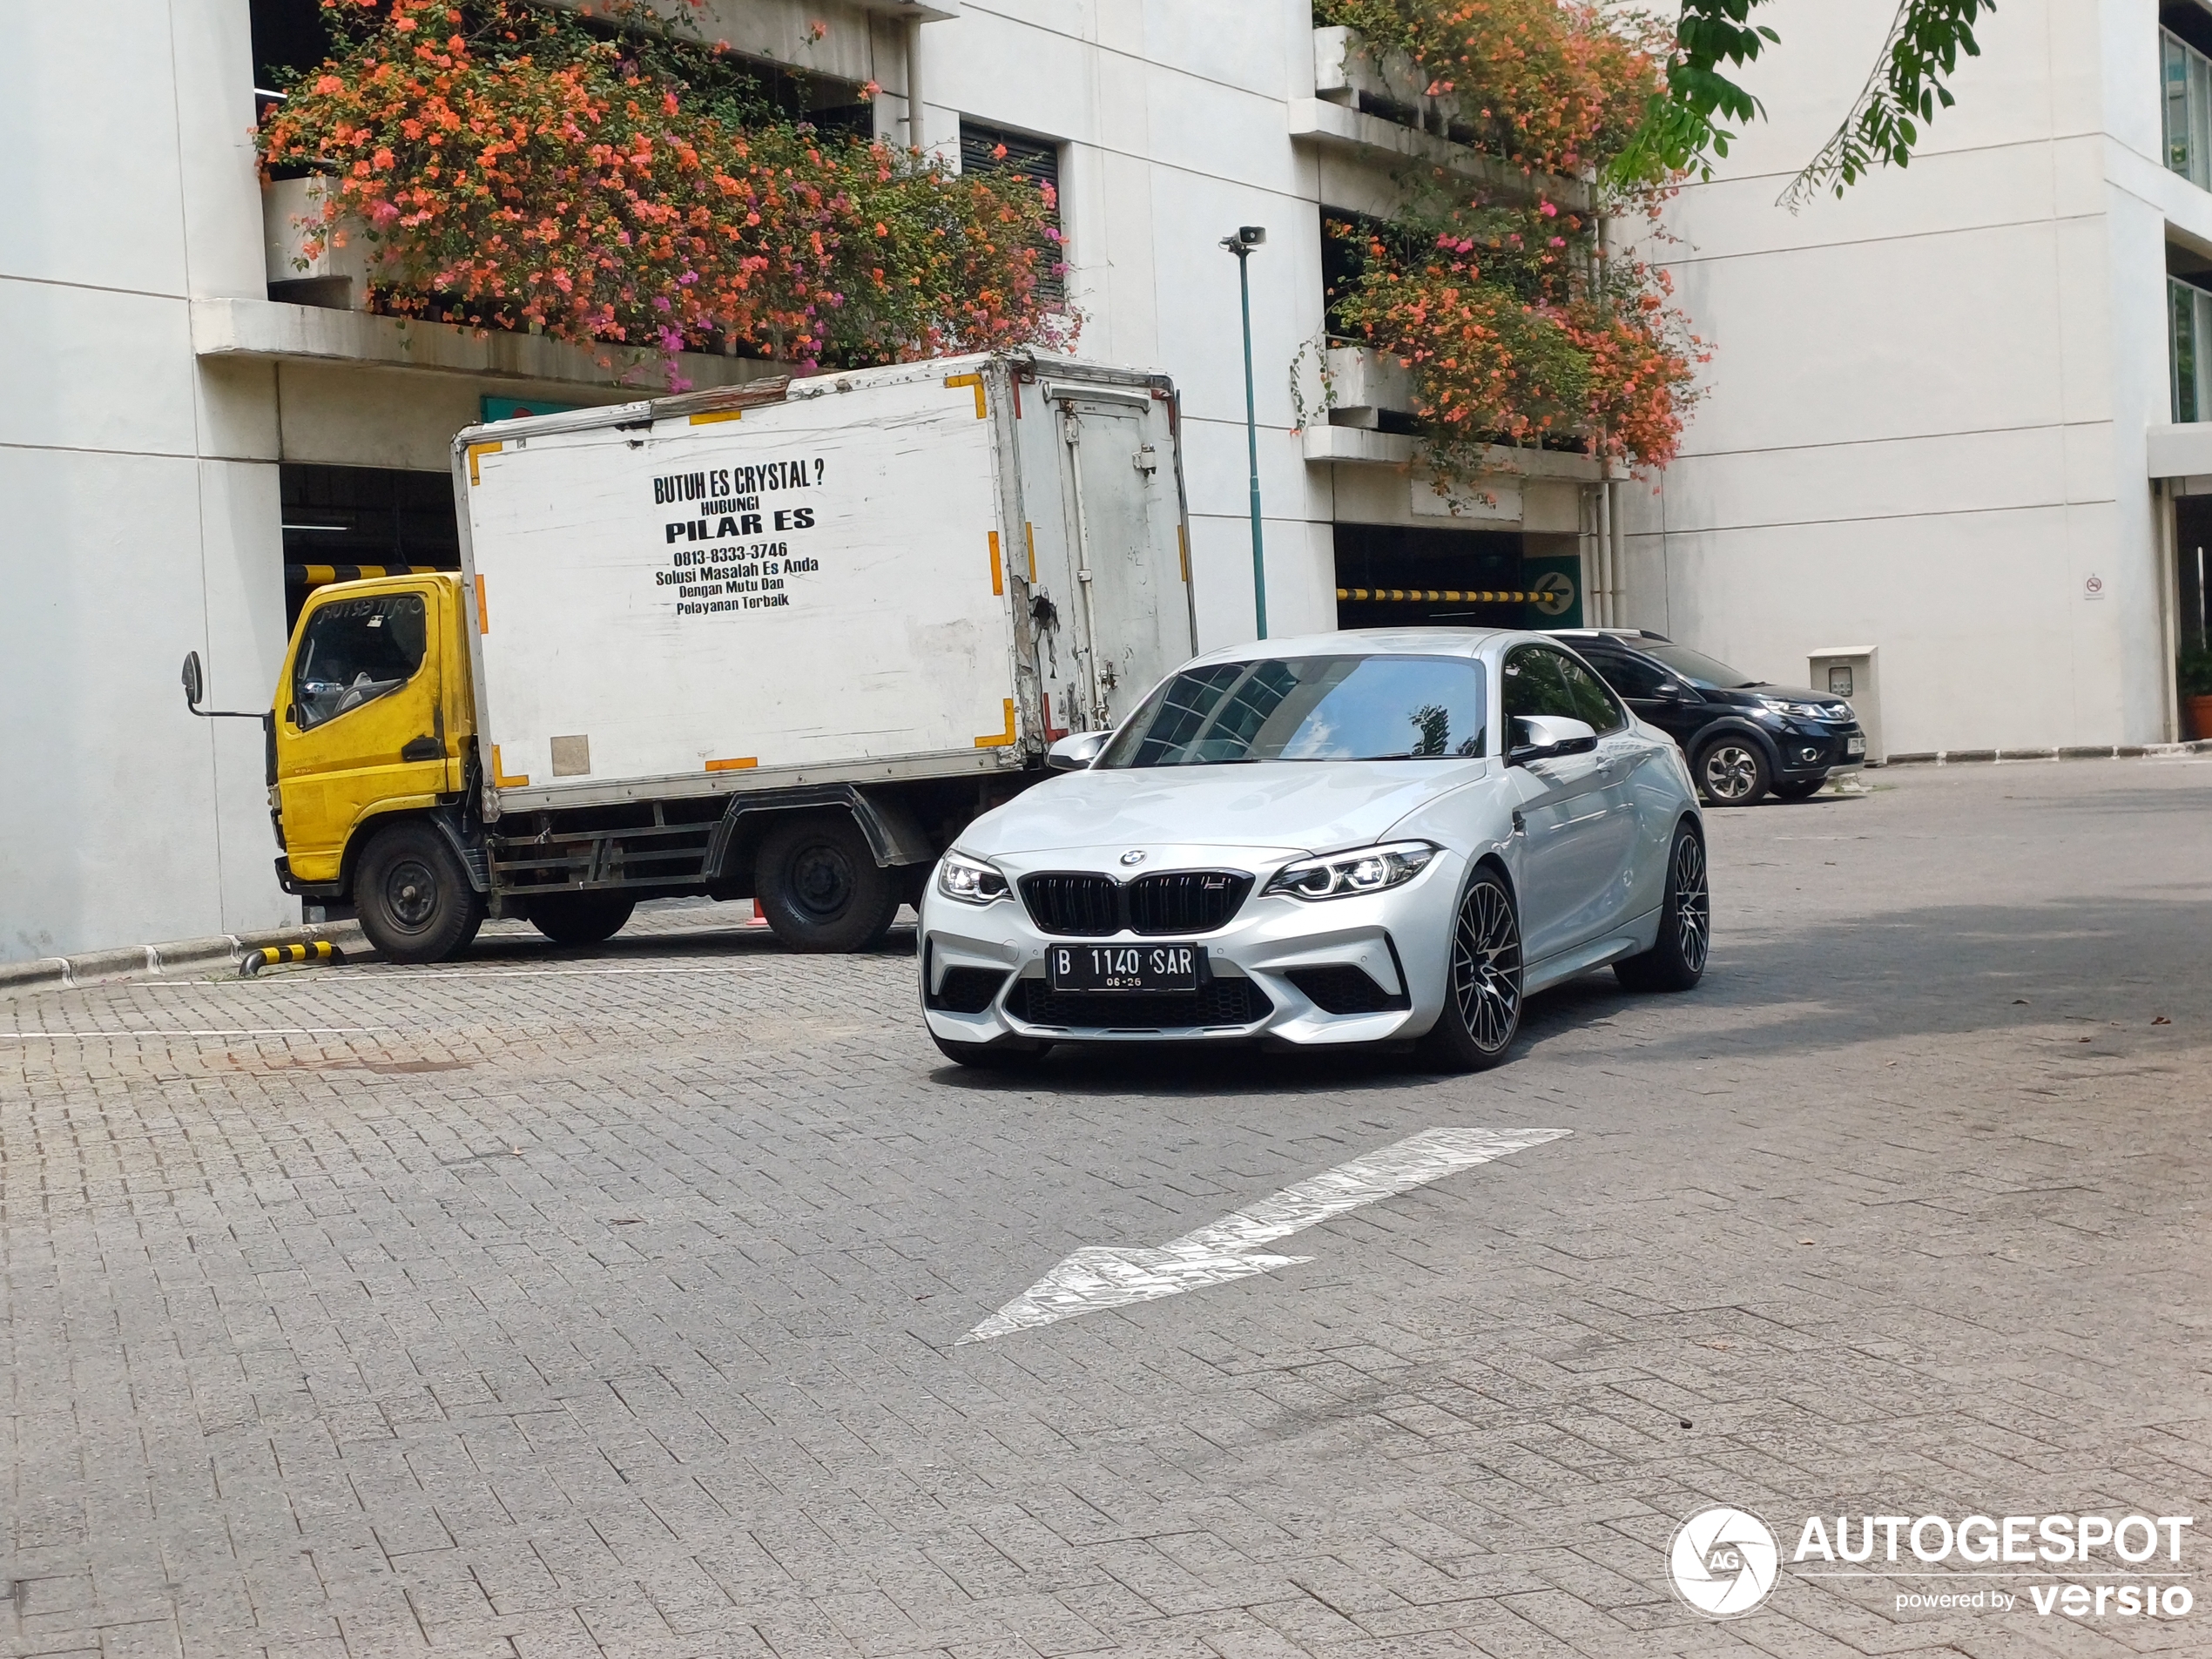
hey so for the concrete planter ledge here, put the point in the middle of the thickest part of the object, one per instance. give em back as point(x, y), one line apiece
point(183, 956)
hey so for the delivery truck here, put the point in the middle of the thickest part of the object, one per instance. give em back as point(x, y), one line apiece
point(777, 642)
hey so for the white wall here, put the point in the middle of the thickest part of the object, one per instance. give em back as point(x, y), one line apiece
point(1925, 423)
point(142, 516)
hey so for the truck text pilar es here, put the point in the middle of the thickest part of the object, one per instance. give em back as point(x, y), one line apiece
point(780, 641)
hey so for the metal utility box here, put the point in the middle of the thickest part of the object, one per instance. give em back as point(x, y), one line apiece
point(1853, 673)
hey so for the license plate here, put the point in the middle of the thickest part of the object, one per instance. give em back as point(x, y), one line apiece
point(1855, 745)
point(1123, 968)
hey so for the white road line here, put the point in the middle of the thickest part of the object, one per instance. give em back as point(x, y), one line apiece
point(534, 973)
point(1105, 1277)
point(264, 1031)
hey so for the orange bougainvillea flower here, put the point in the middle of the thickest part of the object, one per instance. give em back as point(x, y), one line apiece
point(622, 189)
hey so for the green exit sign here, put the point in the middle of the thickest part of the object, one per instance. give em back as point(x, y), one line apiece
point(513, 409)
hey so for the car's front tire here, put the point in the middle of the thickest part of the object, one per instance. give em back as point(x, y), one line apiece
point(1483, 994)
point(414, 898)
point(1677, 960)
point(1005, 1054)
point(1732, 771)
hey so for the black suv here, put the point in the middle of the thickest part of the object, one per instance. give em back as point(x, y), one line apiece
point(1742, 736)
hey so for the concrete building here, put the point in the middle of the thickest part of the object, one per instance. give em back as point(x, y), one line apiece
point(1926, 431)
point(1948, 414)
point(191, 417)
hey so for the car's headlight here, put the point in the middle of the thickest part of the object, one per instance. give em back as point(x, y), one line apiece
point(1796, 710)
point(1342, 874)
point(969, 880)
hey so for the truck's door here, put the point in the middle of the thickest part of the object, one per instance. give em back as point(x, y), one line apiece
point(359, 725)
point(1131, 621)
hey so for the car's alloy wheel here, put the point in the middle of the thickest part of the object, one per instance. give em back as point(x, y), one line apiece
point(1730, 772)
point(1481, 1012)
point(1676, 958)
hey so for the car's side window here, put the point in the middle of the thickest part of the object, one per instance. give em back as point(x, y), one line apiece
point(1632, 677)
point(1532, 685)
point(1594, 704)
point(353, 651)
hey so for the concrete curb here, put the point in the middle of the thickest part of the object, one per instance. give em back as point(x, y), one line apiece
point(2100, 751)
point(157, 961)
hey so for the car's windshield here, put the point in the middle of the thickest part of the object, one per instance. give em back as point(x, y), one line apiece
point(1309, 708)
point(1695, 665)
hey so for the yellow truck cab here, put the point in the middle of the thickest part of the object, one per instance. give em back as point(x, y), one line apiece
point(375, 760)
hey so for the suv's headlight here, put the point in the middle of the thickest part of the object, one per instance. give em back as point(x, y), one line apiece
point(1342, 874)
point(969, 880)
point(1796, 710)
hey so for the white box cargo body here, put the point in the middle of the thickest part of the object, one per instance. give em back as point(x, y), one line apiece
point(918, 571)
point(784, 641)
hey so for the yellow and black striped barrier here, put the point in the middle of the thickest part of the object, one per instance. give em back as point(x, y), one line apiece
point(1439, 595)
point(312, 950)
point(321, 576)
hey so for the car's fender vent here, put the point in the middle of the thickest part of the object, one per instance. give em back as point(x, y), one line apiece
point(967, 991)
point(1345, 989)
point(1078, 905)
point(1219, 1002)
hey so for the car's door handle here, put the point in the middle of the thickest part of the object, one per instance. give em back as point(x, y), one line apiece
point(423, 749)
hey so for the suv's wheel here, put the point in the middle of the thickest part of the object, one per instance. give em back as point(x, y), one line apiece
point(820, 888)
point(580, 918)
point(1677, 960)
point(1799, 788)
point(1732, 771)
point(412, 896)
point(1482, 982)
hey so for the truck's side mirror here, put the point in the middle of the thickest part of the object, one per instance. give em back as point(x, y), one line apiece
point(1077, 752)
point(194, 687)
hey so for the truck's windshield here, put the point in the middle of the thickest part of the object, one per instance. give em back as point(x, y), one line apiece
point(1309, 708)
point(354, 651)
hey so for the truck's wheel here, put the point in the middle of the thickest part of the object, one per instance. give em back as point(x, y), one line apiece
point(580, 918)
point(820, 886)
point(413, 897)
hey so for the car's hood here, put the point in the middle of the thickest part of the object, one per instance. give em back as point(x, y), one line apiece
point(1750, 695)
point(1296, 807)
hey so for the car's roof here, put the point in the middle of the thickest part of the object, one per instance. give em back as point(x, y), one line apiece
point(1618, 636)
point(1411, 641)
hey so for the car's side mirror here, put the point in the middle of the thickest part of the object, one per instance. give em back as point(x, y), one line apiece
point(1545, 737)
point(1669, 690)
point(1075, 751)
point(194, 687)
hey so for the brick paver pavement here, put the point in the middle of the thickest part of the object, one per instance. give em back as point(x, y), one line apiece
point(558, 1304)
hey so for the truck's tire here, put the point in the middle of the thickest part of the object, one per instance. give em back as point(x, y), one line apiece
point(820, 886)
point(580, 918)
point(412, 896)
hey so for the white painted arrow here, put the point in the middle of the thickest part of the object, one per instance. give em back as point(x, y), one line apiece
point(1106, 1277)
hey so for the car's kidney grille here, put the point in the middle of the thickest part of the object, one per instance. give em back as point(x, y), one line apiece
point(1086, 905)
point(1090, 906)
point(1189, 902)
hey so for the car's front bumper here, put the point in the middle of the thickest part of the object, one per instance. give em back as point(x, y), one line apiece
point(1398, 939)
point(1808, 748)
